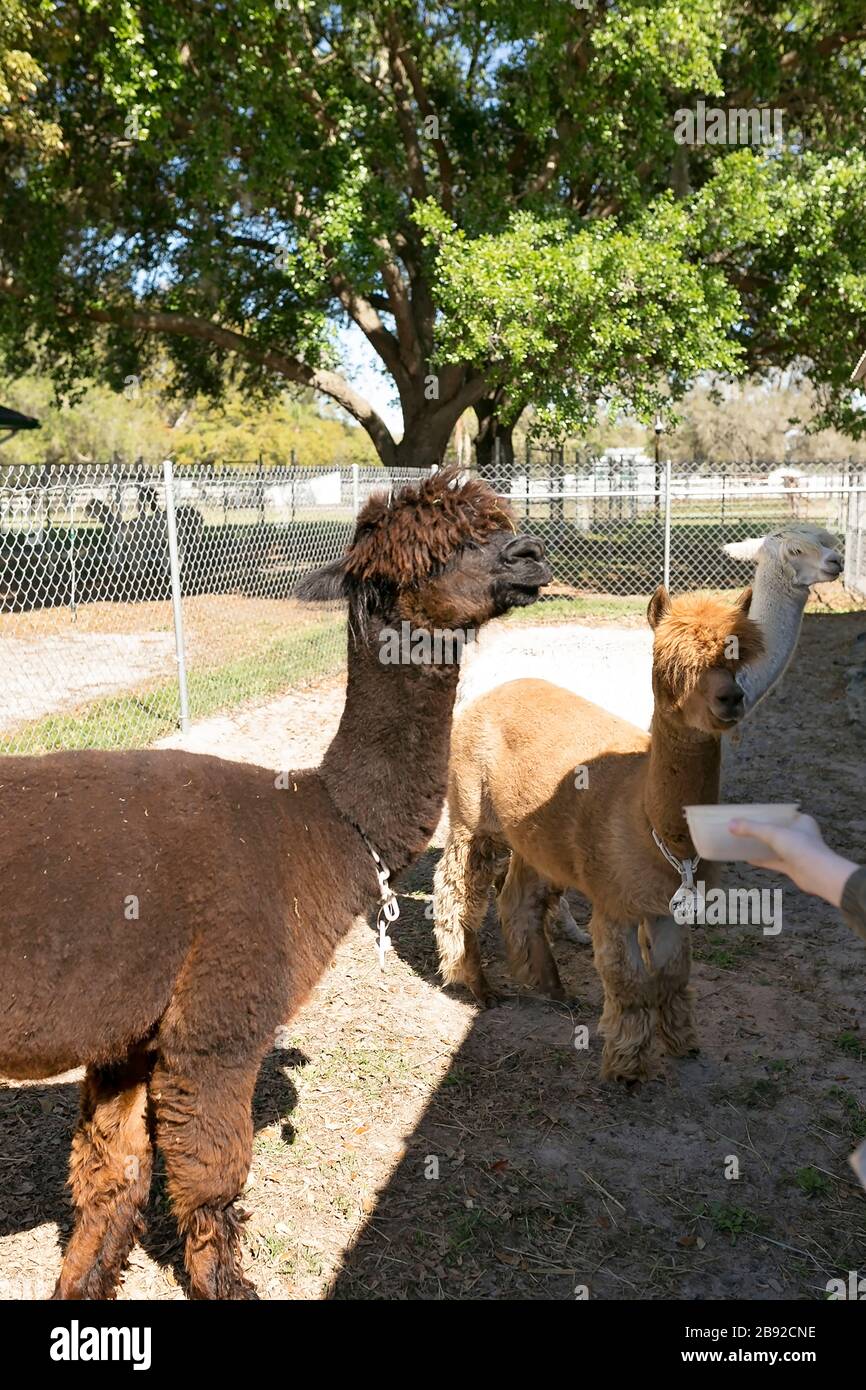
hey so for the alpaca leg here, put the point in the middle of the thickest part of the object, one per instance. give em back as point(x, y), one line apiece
point(110, 1171)
point(204, 1131)
point(629, 989)
point(526, 904)
point(461, 888)
point(569, 929)
point(671, 957)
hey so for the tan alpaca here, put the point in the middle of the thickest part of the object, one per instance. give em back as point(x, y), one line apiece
point(574, 794)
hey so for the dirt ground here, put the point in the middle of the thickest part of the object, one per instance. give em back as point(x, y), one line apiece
point(408, 1146)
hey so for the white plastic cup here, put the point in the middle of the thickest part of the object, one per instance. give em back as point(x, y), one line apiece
point(708, 827)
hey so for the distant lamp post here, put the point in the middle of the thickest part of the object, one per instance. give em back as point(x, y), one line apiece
point(658, 428)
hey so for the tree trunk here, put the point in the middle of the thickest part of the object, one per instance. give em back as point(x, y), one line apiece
point(494, 444)
point(423, 445)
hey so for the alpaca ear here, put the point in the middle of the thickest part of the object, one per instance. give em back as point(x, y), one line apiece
point(326, 585)
point(744, 602)
point(744, 550)
point(659, 605)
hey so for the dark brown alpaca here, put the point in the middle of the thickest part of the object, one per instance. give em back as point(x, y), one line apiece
point(163, 913)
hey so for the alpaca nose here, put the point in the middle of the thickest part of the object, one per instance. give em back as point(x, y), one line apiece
point(729, 701)
point(523, 548)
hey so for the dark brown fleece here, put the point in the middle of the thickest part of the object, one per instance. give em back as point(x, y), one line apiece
point(162, 913)
point(406, 540)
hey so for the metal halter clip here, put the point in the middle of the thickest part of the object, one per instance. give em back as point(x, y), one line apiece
point(687, 900)
point(389, 910)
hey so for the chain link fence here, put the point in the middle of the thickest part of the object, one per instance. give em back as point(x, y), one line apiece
point(855, 544)
point(132, 601)
point(135, 600)
point(619, 524)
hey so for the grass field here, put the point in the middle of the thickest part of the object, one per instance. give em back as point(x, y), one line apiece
point(142, 716)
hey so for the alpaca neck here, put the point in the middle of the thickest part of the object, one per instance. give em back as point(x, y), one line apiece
point(683, 769)
point(387, 767)
point(777, 606)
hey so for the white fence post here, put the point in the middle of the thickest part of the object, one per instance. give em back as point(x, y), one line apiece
point(855, 539)
point(667, 567)
point(356, 490)
point(72, 594)
point(176, 599)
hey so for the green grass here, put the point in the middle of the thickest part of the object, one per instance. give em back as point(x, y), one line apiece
point(139, 719)
point(855, 1113)
point(852, 1045)
point(466, 1229)
point(724, 952)
point(813, 1183)
point(758, 1094)
point(731, 1221)
point(558, 610)
point(371, 1070)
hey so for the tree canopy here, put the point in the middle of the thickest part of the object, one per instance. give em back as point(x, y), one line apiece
point(493, 192)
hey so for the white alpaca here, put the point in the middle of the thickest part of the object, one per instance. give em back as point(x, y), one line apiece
point(789, 561)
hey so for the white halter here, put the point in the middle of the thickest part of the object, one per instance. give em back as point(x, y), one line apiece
point(686, 899)
point(389, 908)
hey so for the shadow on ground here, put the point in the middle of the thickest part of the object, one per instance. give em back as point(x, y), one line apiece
point(41, 1119)
point(526, 1177)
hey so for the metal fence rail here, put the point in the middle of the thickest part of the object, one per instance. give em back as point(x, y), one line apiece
point(135, 600)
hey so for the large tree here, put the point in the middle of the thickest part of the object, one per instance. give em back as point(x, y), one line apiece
point(492, 192)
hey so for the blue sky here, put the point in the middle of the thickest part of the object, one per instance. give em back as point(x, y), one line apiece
point(363, 369)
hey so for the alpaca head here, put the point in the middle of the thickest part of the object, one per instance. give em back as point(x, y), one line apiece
point(699, 645)
point(438, 554)
point(805, 554)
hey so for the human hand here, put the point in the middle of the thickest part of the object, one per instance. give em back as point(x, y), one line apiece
point(799, 851)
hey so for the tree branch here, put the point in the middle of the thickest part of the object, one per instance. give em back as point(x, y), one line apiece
point(406, 122)
point(361, 312)
point(400, 305)
point(190, 326)
point(471, 391)
point(792, 59)
point(443, 159)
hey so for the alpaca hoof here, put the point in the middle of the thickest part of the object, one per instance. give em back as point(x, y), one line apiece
point(243, 1289)
point(237, 1290)
point(483, 995)
point(578, 936)
point(686, 1052)
point(94, 1289)
point(627, 1070)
